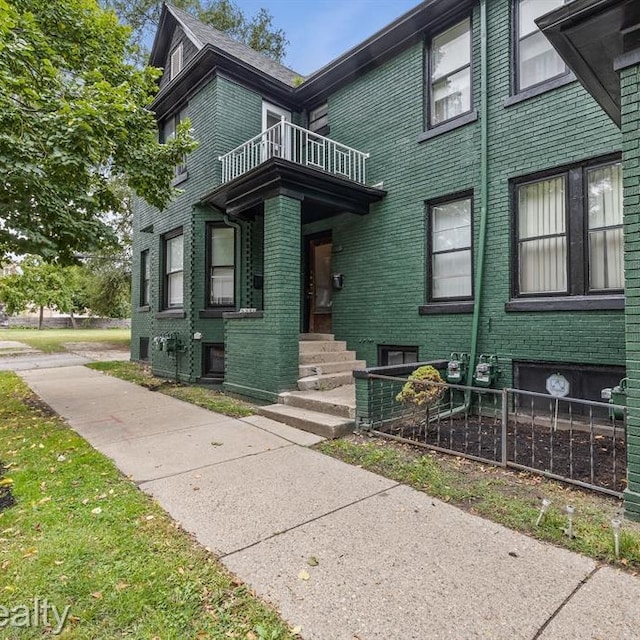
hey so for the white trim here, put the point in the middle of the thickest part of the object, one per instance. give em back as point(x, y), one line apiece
point(267, 107)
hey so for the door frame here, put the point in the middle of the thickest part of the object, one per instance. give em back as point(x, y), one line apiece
point(273, 108)
point(326, 235)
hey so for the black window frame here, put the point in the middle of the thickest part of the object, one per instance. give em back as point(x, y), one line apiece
point(463, 195)
point(538, 87)
point(209, 267)
point(384, 349)
point(145, 278)
point(464, 116)
point(576, 232)
point(170, 235)
point(178, 116)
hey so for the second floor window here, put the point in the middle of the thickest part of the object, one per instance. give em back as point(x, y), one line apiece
point(450, 254)
point(450, 73)
point(569, 234)
point(537, 60)
point(173, 269)
point(221, 258)
point(168, 132)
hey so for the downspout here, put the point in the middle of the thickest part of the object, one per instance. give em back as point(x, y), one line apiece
point(484, 112)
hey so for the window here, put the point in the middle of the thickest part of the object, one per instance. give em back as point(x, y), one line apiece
point(537, 61)
point(450, 73)
point(213, 361)
point(145, 279)
point(569, 232)
point(319, 120)
point(176, 62)
point(394, 355)
point(173, 269)
point(450, 250)
point(221, 252)
point(168, 132)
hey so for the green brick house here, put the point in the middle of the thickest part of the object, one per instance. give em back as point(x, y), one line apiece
point(448, 185)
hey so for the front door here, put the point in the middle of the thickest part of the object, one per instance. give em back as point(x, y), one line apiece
point(318, 284)
point(274, 143)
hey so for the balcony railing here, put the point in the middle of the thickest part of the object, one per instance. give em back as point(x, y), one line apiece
point(291, 142)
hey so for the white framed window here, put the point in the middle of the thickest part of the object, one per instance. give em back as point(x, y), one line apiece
point(174, 269)
point(450, 73)
point(221, 256)
point(176, 61)
point(536, 59)
point(450, 250)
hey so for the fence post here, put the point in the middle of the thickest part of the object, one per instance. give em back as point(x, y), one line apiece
point(505, 420)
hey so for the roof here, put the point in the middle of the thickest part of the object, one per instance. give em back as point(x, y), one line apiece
point(203, 34)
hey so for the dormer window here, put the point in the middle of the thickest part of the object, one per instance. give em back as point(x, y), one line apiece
point(176, 61)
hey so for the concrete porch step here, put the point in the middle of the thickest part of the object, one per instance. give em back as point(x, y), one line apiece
point(340, 401)
point(327, 356)
point(317, 336)
point(321, 346)
point(325, 381)
point(330, 367)
point(322, 424)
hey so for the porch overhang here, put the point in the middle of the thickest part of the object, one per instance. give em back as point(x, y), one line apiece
point(322, 194)
point(596, 38)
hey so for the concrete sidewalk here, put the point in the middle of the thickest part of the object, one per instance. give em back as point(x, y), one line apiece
point(392, 563)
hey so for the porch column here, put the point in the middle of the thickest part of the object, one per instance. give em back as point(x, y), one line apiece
point(630, 111)
point(261, 348)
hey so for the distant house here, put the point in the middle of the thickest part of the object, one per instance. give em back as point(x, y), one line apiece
point(414, 197)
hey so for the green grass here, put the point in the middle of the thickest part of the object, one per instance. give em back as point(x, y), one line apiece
point(83, 535)
point(203, 397)
point(509, 498)
point(53, 340)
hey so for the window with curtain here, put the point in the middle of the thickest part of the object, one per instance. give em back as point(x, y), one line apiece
point(450, 73)
point(450, 230)
point(221, 258)
point(568, 232)
point(537, 60)
point(173, 270)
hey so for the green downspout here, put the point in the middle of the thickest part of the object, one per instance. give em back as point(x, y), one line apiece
point(484, 112)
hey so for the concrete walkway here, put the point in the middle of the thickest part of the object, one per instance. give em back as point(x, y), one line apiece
point(341, 552)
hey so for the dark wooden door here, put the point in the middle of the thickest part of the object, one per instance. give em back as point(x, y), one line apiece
point(319, 290)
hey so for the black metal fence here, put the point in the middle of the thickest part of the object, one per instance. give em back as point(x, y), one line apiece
point(577, 441)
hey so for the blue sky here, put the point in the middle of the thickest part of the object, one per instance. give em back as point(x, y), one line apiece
point(320, 30)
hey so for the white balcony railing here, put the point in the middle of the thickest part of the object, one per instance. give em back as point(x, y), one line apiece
point(291, 142)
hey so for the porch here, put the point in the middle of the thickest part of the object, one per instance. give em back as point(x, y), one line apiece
point(272, 186)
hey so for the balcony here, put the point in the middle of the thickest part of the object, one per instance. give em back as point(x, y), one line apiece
point(290, 142)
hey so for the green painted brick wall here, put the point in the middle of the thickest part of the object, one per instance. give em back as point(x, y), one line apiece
point(630, 106)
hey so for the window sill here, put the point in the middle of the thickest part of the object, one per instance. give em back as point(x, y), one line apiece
point(171, 313)
point(434, 308)
point(143, 308)
point(215, 313)
point(568, 303)
point(525, 94)
point(450, 125)
point(180, 179)
point(242, 315)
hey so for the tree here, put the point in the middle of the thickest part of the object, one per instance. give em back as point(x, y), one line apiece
point(256, 31)
point(41, 285)
point(74, 127)
point(108, 286)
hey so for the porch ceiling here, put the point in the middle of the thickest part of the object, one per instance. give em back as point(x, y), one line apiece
point(322, 194)
point(591, 36)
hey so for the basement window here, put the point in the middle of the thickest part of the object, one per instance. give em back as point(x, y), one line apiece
point(213, 361)
point(393, 355)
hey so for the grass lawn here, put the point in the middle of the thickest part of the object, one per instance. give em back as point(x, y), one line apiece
point(203, 397)
point(81, 535)
point(504, 496)
point(53, 340)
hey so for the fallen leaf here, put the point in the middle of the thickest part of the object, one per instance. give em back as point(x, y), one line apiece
point(97, 595)
point(297, 630)
point(313, 561)
point(303, 575)
point(121, 586)
point(97, 511)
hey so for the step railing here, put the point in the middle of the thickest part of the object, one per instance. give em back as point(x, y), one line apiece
point(296, 144)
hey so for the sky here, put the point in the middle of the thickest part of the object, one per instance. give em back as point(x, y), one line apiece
point(321, 30)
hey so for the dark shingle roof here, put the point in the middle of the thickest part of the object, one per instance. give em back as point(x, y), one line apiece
point(206, 34)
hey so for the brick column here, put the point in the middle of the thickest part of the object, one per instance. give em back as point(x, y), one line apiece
point(630, 104)
point(261, 350)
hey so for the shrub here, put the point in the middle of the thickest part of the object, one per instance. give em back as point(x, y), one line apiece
point(423, 388)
